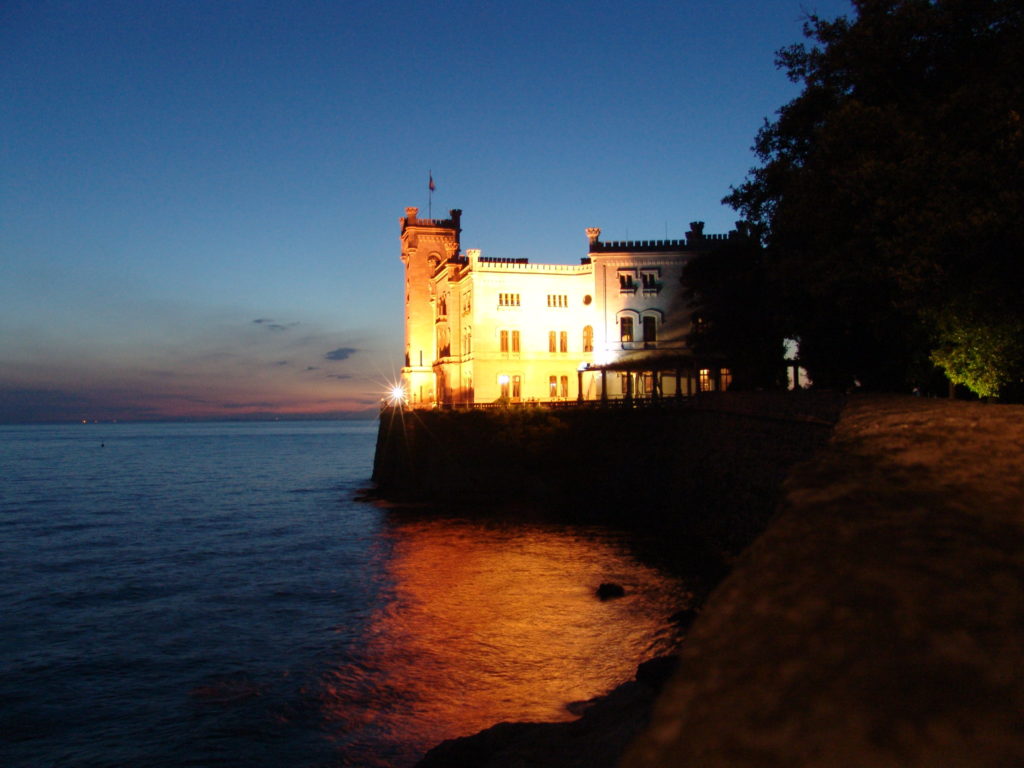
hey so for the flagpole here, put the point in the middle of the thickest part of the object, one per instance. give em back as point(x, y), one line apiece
point(430, 195)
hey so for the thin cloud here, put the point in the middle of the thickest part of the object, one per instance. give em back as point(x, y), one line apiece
point(273, 325)
point(339, 376)
point(341, 353)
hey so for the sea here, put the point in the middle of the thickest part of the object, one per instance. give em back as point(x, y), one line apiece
point(227, 594)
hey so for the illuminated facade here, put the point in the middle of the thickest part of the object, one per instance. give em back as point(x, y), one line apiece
point(483, 330)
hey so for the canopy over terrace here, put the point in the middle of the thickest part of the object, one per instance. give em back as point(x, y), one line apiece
point(652, 377)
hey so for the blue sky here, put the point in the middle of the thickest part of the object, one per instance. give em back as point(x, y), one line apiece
point(199, 201)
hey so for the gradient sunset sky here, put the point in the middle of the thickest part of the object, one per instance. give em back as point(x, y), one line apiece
point(199, 201)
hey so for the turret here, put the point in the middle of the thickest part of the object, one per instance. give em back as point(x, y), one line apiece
point(426, 245)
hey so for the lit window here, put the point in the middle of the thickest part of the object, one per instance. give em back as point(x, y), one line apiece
point(517, 387)
point(552, 386)
point(704, 383)
point(626, 329)
point(563, 341)
point(503, 382)
point(725, 378)
point(588, 338)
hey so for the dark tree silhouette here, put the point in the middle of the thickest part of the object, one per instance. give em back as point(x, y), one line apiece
point(891, 191)
point(734, 316)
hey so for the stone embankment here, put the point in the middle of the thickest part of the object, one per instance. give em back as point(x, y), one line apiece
point(878, 620)
point(708, 471)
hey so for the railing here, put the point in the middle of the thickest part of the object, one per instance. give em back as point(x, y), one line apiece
point(611, 403)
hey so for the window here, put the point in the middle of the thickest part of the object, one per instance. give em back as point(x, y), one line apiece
point(467, 304)
point(563, 341)
point(442, 307)
point(725, 378)
point(552, 386)
point(650, 329)
point(551, 341)
point(627, 280)
point(503, 382)
point(517, 387)
point(504, 341)
point(588, 338)
point(564, 381)
point(649, 279)
point(704, 382)
point(558, 300)
point(515, 342)
point(626, 329)
point(508, 299)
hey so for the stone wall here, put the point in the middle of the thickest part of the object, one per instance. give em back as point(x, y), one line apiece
point(711, 468)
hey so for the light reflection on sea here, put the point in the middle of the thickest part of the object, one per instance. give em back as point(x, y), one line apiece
point(490, 623)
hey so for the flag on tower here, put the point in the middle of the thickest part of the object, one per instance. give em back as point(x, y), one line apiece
point(431, 186)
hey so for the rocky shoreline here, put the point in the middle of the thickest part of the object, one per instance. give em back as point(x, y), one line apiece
point(608, 724)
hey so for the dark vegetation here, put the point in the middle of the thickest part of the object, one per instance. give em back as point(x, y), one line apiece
point(883, 220)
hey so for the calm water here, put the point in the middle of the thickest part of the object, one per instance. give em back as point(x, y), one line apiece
point(215, 594)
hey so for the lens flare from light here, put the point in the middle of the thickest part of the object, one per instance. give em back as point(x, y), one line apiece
point(396, 395)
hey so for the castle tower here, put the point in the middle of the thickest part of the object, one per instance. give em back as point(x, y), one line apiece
point(426, 245)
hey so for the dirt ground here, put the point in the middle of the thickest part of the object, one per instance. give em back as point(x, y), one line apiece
point(879, 620)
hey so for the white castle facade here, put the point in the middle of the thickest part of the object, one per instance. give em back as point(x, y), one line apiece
point(613, 326)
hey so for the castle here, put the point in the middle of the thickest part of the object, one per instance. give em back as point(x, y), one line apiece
point(485, 330)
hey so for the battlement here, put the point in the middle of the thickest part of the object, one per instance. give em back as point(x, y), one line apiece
point(500, 260)
point(523, 265)
point(695, 239)
point(411, 219)
point(613, 246)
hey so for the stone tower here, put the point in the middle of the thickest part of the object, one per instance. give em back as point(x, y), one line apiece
point(426, 245)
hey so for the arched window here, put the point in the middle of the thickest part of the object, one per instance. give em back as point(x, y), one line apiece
point(588, 338)
point(650, 329)
point(625, 329)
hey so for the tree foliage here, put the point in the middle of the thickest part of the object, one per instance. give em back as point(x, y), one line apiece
point(733, 317)
point(891, 189)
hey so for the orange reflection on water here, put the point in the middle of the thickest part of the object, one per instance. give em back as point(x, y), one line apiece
point(491, 624)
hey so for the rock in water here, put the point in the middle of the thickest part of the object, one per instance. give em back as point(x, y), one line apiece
point(610, 589)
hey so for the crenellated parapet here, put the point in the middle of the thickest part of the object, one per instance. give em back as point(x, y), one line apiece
point(412, 219)
point(695, 240)
point(615, 246)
